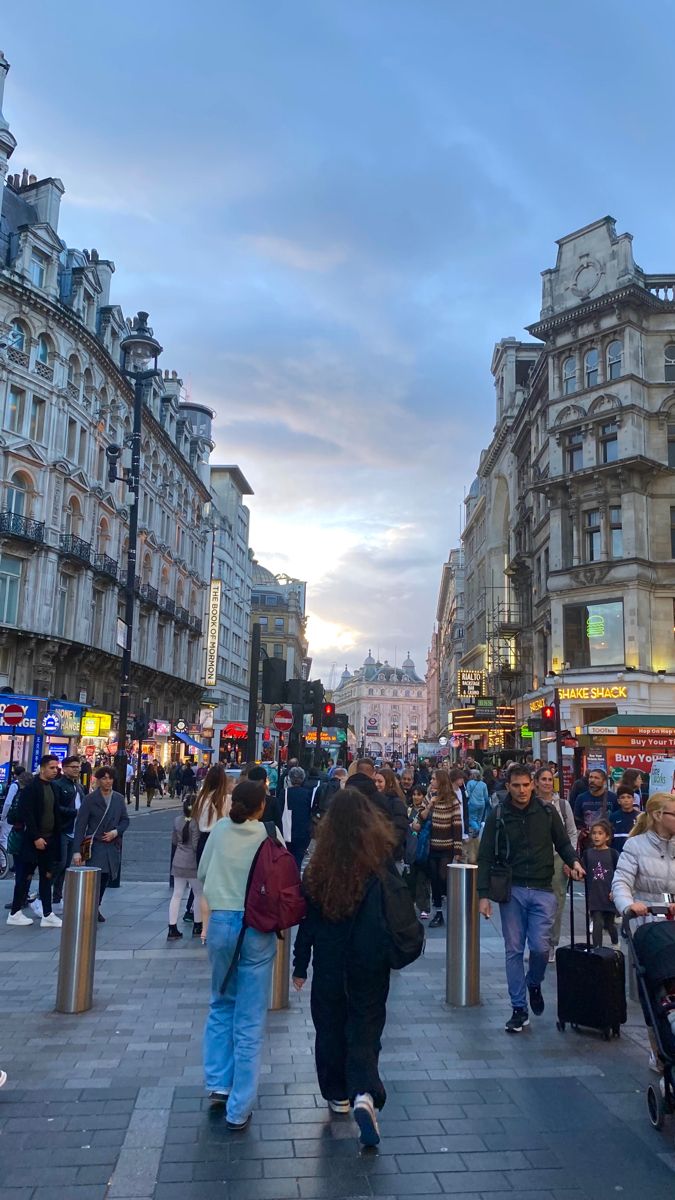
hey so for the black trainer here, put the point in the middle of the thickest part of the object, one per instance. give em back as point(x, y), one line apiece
point(436, 921)
point(517, 1021)
point(536, 1001)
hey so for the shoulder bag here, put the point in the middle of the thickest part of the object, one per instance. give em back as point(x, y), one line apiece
point(87, 842)
point(500, 871)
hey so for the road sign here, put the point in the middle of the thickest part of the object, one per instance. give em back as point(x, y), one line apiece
point(13, 714)
point(442, 741)
point(283, 720)
point(51, 723)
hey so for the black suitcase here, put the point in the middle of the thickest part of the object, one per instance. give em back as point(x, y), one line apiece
point(591, 984)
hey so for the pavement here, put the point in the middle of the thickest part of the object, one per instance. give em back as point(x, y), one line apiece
point(109, 1105)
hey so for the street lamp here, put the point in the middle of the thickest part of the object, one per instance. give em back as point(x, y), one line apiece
point(394, 727)
point(139, 349)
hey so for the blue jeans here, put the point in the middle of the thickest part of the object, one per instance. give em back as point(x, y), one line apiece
point(528, 916)
point(235, 1027)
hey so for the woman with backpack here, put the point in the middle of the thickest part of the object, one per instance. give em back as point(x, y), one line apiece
point(235, 1026)
point(185, 840)
point(346, 935)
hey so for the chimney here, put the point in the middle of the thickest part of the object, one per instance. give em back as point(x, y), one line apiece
point(45, 196)
point(7, 139)
point(105, 270)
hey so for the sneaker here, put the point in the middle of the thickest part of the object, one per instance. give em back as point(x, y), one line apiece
point(424, 916)
point(339, 1106)
point(436, 921)
point(517, 1021)
point(51, 922)
point(551, 955)
point(101, 919)
point(36, 907)
point(655, 1063)
point(18, 918)
point(237, 1126)
point(3, 1078)
point(536, 1001)
point(217, 1097)
point(364, 1115)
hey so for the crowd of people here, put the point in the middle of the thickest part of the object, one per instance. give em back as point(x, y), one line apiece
point(367, 849)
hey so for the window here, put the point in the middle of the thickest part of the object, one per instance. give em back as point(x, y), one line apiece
point(372, 693)
point(593, 537)
point(82, 450)
point(593, 634)
point(19, 336)
point(98, 612)
point(575, 451)
point(37, 419)
point(71, 439)
point(73, 515)
point(615, 360)
point(546, 567)
point(16, 496)
point(609, 442)
point(278, 650)
point(38, 269)
point(671, 445)
point(569, 375)
point(591, 365)
point(42, 352)
point(262, 621)
point(10, 584)
point(279, 623)
point(672, 533)
point(16, 408)
point(616, 532)
point(670, 363)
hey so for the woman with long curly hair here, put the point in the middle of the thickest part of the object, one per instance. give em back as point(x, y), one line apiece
point(345, 934)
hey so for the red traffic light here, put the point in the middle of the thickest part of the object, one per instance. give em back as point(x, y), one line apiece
point(548, 713)
point(328, 710)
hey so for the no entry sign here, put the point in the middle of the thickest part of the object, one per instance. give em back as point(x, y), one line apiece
point(13, 714)
point(283, 720)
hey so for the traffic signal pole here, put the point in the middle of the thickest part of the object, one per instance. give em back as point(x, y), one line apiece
point(254, 673)
point(319, 730)
point(558, 740)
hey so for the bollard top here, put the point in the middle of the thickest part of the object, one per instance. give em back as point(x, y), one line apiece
point(463, 866)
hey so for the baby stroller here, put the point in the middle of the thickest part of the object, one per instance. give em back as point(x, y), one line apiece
point(652, 947)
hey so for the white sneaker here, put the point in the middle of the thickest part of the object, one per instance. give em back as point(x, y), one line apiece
point(18, 919)
point(36, 907)
point(51, 922)
point(364, 1115)
point(3, 1078)
point(551, 954)
point(339, 1106)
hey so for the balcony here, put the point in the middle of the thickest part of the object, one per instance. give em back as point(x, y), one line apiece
point(195, 624)
point(15, 525)
point(75, 548)
point(167, 605)
point(152, 594)
point(44, 371)
point(18, 357)
point(182, 616)
point(105, 565)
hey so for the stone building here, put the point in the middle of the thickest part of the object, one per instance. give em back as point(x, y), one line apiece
point(63, 526)
point(450, 627)
point(570, 533)
point(278, 605)
point(386, 706)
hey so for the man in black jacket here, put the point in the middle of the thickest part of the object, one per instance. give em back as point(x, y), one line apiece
point(522, 832)
point(69, 795)
point(41, 846)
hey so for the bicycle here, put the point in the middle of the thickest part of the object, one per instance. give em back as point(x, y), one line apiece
point(4, 863)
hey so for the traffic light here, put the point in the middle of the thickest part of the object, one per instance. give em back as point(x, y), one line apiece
point(273, 680)
point(295, 692)
point(316, 698)
point(328, 719)
point(548, 722)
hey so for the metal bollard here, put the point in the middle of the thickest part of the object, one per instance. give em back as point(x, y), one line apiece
point(462, 961)
point(75, 986)
point(281, 973)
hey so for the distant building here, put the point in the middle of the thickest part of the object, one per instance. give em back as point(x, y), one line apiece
point(386, 706)
point(278, 606)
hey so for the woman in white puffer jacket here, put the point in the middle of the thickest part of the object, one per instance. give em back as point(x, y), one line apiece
point(645, 872)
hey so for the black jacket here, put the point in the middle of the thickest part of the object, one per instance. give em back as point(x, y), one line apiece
point(360, 942)
point(526, 843)
point(66, 792)
point(391, 806)
point(31, 807)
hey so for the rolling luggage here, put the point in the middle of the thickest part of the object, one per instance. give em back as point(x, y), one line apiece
point(591, 984)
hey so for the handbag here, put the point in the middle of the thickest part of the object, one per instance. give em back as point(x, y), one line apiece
point(87, 842)
point(500, 871)
point(15, 841)
point(423, 842)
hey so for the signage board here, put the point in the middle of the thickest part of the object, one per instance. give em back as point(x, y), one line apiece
point(486, 706)
point(60, 749)
point(38, 749)
point(372, 724)
point(180, 726)
point(640, 760)
point(470, 683)
point(212, 633)
point(96, 724)
point(662, 776)
point(538, 704)
point(595, 691)
point(27, 715)
point(596, 758)
point(526, 733)
point(430, 750)
point(69, 715)
point(51, 723)
point(162, 728)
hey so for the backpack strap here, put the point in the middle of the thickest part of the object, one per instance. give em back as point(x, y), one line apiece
point(240, 940)
point(499, 827)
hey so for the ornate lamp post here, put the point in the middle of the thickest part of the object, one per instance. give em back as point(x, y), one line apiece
point(140, 349)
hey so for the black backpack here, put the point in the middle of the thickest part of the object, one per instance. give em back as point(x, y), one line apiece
point(406, 932)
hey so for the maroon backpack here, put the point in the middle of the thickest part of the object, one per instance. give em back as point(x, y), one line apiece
point(274, 899)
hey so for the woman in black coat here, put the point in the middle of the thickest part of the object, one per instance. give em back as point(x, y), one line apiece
point(103, 816)
point(345, 934)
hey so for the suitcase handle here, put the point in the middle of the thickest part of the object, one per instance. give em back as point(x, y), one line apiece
point(588, 931)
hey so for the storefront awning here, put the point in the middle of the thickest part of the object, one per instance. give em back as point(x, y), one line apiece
point(190, 741)
point(235, 729)
point(645, 722)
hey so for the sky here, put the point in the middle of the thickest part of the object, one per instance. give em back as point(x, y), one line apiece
point(332, 210)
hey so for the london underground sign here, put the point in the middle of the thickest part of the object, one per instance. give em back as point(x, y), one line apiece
point(283, 720)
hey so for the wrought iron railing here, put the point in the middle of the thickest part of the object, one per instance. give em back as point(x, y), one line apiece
point(106, 566)
point(21, 527)
point(76, 548)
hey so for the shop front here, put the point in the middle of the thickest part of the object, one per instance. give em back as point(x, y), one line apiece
point(485, 725)
point(18, 738)
point(232, 742)
point(187, 746)
point(157, 743)
point(97, 740)
point(61, 727)
point(631, 740)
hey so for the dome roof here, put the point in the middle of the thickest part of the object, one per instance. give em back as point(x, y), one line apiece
point(408, 665)
point(345, 675)
point(369, 661)
point(262, 575)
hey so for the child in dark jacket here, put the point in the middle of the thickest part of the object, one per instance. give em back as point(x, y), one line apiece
point(599, 862)
point(623, 820)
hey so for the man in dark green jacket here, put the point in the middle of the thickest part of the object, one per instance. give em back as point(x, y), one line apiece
point(522, 832)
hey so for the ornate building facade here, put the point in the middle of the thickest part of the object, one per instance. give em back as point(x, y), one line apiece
point(386, 706)
point(278, 605)
point(63, 526)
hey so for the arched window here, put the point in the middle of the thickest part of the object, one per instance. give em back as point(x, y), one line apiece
point(20, 336)
point(44, 350)
point(193, 603)
point(164, 586)
point(147, 569)
point(103, 536)
point(670, 363)
point(179, 593)
point(73, 516)
point(88, 387)
point(74, 377)
point(615, 360)
point(17, 495)
point(569, 375)
point(591, 365)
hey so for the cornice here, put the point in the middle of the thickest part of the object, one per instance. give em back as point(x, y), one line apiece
point(632, 291)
